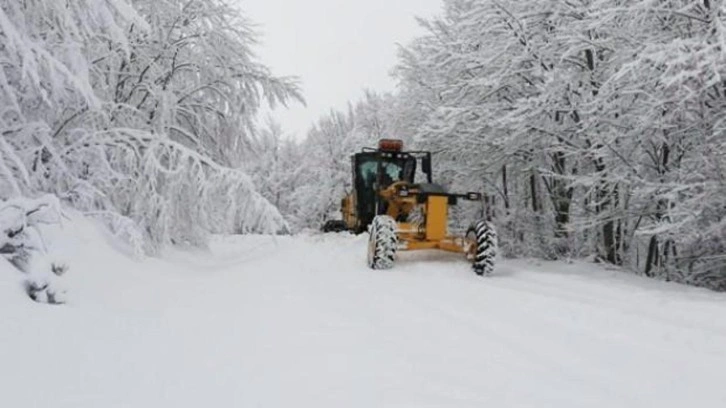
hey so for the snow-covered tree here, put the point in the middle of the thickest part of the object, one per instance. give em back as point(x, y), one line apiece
point(137, 112)
point(594, 127)
point(322, 173)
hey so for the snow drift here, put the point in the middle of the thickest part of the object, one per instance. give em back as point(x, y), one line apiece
point(301, 321)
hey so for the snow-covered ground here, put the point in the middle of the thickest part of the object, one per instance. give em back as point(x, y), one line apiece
point(302, 322)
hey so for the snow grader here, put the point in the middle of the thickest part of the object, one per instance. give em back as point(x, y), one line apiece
point(401, 213)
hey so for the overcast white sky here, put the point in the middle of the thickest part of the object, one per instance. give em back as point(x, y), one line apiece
point(336, 47)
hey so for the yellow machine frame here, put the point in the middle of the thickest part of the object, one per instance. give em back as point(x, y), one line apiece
point(432, 232)
point(406, 215)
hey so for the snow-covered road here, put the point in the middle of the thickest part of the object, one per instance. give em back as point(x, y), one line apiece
point(302, 322)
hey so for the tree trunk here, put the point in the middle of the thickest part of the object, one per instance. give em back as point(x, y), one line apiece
point(533, 192)
point(612, 231)
point(505, 188)
point(561, 196)
point(652, 259)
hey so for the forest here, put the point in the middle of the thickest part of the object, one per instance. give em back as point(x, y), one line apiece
point(595, 128)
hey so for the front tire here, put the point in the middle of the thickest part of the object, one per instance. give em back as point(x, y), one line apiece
point(382, 243)
point(484, 251)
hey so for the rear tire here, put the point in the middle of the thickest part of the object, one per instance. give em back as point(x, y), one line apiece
point(382, 242)
point(484, 237)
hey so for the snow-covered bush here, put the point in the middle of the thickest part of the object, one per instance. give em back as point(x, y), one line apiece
point(22, 243)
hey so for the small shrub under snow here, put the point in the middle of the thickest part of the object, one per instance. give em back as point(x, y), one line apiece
point(22, 244)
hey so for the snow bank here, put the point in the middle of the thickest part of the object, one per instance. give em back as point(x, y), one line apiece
point(302, 322)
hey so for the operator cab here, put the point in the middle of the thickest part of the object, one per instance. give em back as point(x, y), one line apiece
point(376, 169)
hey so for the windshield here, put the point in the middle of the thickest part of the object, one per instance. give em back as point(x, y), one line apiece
point(368, 171)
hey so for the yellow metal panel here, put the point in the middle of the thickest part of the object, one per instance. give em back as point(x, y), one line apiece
point(451, 246)
point(348, 210)
point(416, 245)
point(436, 217)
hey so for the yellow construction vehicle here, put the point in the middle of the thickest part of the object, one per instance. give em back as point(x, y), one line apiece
point(405, 214)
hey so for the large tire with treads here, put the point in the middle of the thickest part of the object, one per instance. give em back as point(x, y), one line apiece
point(382, 242)
point(484, 237)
